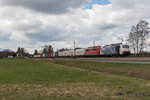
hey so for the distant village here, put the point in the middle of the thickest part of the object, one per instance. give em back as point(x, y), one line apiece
point(22, 52)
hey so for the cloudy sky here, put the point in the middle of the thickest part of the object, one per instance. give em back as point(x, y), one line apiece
point(34, 23)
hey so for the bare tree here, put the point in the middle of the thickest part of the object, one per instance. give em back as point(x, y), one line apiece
point(44, 50)
point(21, 52)
point(138, 36)
point(36, 52)
point(18, 50)
point(48, 49)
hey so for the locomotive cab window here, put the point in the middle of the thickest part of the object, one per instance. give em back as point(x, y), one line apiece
point(90, 49)
point(125, 46)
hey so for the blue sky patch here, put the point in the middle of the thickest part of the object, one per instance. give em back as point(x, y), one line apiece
point(100, 2)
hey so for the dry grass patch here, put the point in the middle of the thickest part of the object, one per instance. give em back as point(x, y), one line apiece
point(76, 90)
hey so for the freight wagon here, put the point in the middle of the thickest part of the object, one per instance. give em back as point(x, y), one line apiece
point(65, 53)
point(71, 52)
point(80, 52)
point(60, 53)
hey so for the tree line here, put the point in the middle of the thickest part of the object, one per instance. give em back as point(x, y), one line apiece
point(46, 49)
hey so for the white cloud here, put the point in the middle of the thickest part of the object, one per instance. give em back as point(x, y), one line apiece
point(46, 6)
point(27, 26)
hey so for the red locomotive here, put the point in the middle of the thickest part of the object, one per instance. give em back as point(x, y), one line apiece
point(92, 51)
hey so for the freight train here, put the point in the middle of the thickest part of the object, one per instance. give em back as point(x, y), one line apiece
point(108, 50)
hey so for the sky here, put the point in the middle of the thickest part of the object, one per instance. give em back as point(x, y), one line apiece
point(34, 23)
point(92, 2)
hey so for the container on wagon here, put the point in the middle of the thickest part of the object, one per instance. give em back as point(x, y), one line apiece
point(45, 54)
point(66, 53)
point(49, 55)
point(80, 52)
point(71, 52)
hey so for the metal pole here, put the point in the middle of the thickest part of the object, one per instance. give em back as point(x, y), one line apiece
point(74, 48)
point(93, 43)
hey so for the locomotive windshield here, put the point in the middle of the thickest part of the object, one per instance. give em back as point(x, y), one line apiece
point(125, 46)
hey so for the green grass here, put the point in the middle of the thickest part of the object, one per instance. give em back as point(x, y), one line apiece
point(22, 79)
point(132, 70)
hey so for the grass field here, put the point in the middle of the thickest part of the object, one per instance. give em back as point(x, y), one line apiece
point(22, 79)
point(130, 59)
point(132, 70)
